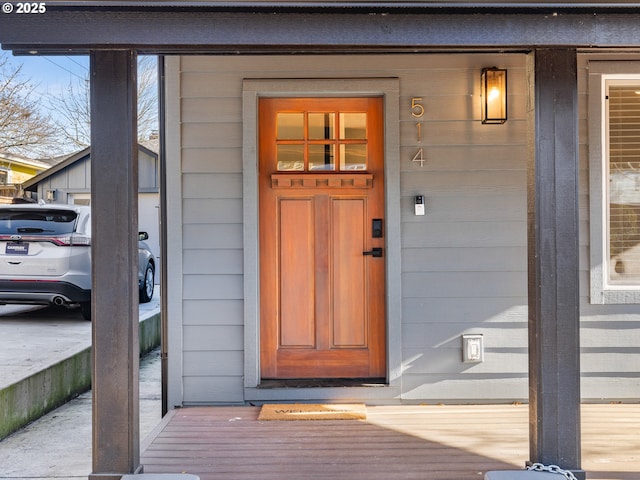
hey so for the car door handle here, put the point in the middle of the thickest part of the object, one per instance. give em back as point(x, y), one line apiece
point(374, 252)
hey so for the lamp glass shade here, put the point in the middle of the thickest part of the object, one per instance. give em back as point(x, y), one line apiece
point(494, 95)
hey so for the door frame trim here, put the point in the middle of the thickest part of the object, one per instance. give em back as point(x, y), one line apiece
point(253, 89)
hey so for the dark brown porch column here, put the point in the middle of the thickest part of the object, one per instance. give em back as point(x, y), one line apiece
point(114, 201)
point(554, 314)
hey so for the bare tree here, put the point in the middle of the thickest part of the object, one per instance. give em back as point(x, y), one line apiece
point(147, 97)
point(24, 129)
point(74, 113)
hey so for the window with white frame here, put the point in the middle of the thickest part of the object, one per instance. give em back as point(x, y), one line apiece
point(623, 172)
point(615, 188)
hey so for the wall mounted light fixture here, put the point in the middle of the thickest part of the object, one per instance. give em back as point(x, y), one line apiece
point(494, 95)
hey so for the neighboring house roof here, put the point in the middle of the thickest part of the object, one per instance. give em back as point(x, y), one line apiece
point(37, 164)
point(32, 183)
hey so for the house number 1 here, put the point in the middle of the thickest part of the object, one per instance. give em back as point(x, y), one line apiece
point(417, 111)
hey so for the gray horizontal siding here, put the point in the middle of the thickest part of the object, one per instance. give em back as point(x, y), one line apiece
point(212, 160)
point(224, 210)
point(459, 158)
point(479, 387)
point(463, 259)
point(213, 312)
point(202, 287)
point(471, 245)
point(609, 334)
point(213, 337)
point(477, 311)
point(212, 247)
point(462, 234)
point(225, 236)
point(202, 135)
point(212, 185)
point(432, 361)
point(463, 285)
point(464, 263)
point(221, 261)
point(208, 390)
point(452, 184)
point(198, 110)
point(498, 336)
point(219, 363)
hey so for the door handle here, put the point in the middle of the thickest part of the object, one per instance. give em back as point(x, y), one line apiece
point(374, 252)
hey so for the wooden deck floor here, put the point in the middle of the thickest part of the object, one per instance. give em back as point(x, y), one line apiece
point(395, 442)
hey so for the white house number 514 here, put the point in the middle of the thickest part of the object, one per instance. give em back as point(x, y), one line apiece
point(417, 111)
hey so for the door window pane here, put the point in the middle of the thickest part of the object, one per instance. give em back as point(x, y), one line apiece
point(353, 126)
point(290, 157)
point(321, 126)
point(322, 157)
point(290, 126)
point(353, 157)
point(329, 141)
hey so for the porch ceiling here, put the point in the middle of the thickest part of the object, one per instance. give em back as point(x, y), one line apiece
point(260, 29)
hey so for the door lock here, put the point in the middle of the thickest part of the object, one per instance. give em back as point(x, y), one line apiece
point(376, 228)
point(374, 252)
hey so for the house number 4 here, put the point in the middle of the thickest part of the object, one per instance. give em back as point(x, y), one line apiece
point(417, 111)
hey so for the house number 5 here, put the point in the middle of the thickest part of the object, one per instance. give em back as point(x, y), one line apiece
point(417, 111)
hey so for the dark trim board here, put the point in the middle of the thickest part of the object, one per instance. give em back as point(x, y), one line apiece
point(178, 32)
point(271, 4)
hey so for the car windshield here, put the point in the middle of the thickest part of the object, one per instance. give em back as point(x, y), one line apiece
point(37, 222)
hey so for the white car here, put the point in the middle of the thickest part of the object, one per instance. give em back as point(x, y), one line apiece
point(45, 256)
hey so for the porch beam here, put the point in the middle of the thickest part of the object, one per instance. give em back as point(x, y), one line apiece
point(554, 316)
point(166, 31)
point(114, 202)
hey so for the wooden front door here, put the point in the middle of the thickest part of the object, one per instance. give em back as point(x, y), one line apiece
point(322, 266)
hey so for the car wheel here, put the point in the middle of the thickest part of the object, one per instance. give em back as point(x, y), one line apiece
point(85, 309)
point(146, 289)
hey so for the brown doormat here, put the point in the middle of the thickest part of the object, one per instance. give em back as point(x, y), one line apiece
point(303, 411)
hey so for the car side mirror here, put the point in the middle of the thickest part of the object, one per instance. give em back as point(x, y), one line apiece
point(143, 236)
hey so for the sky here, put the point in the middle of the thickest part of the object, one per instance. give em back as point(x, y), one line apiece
point(50, 77)
point(53, 74)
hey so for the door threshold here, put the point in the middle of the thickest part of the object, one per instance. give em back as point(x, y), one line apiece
point(322, 382)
